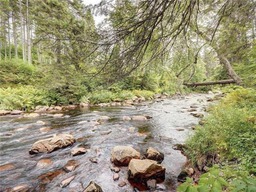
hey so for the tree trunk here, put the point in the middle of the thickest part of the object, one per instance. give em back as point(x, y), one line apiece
point(228, 81)
point(15, 36)
point(22, 32)
point(9, 38)
point(223, 60)
point(28, 35)
point(230, 70)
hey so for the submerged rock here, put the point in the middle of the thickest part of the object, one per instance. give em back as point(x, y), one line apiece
point(66, 182)
point(45, 129)
point(139, 118)
point(115, 176)
point(126, 118)
point(44, 163)
point(143, 170)
point(155, 155)
point(122, 183)
point(51, 144)
point(31, 115)
point(40, 122)
point(122, 155)
point(103, 118)
point(71, 165)
point(58, 115)
point(20, 188)
point(198, 115)
point(93, 160)
point(6, 167)
point(78, 151)
point(115, 169)
point(93, 187)
point(49, 176)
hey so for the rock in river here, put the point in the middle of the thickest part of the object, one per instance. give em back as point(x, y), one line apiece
point(7, 167)
point(155, 155)
point(4, 112)
point(122, 155)
point(44, 163)
point(93, 187)
point(78, 151)
point(143, 170)
point(66, 182)
point(51, 144)
point(20, 188)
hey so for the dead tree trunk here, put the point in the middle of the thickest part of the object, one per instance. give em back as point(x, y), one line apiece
point(228, 81)
point(230, 70)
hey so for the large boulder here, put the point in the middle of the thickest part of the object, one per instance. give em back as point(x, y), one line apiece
point(93, 187)
point(155, 155)
point(51, 144)
point(143, 170)
point(122, 155)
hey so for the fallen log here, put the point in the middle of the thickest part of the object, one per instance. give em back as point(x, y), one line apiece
point(221, 82)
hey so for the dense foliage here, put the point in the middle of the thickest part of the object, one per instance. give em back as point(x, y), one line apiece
point(228, 137)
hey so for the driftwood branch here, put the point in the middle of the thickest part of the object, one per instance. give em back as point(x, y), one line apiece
point(228, 81)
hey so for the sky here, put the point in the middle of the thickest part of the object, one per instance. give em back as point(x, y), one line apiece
point(97, 19)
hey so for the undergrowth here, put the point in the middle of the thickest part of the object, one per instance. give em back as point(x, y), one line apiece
point(229, 134)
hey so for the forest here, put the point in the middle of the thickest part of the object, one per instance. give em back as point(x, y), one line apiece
point(54, 53)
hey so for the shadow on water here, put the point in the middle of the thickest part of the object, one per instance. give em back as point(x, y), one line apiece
point(17, 134)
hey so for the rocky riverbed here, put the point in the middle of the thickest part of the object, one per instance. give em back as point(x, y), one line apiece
point(62, 166)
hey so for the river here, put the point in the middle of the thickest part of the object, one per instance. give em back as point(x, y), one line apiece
point(171, 124)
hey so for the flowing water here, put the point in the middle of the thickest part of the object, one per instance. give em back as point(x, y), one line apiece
point(171, 124)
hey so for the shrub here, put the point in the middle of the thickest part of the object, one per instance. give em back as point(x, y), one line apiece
point(221, 179)
point(227, 130)
point(102, 96)
point(22, 97)
point(143, 93)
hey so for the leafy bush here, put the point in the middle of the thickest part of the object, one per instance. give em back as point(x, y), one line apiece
point(227, 130)
point(229, 133)
point(102, 96)
point(221, 179)
point(22, 97)
point(143, 93)
point(125, 94)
